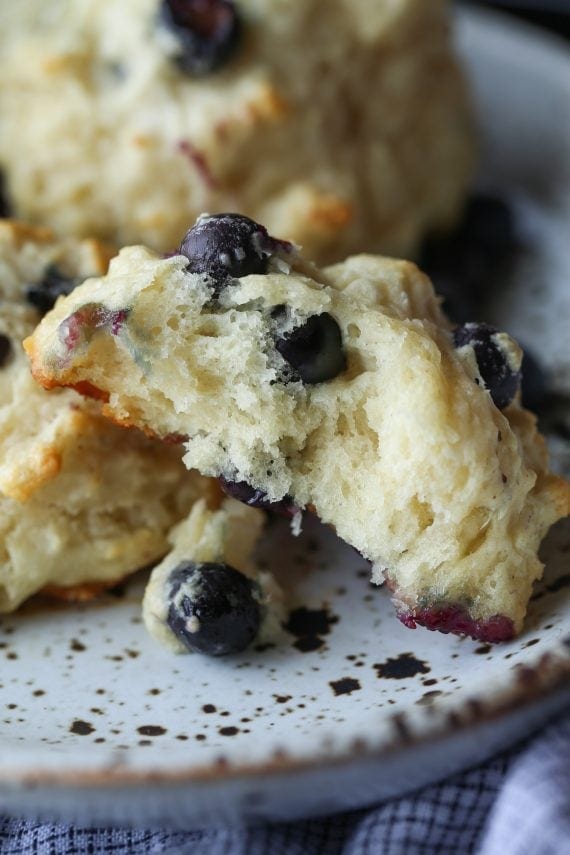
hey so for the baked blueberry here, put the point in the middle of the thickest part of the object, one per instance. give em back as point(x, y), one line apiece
point(244, 492)
point(208, 32)
point(53, 285)
point(5, 349)
point(227, 246)
point(214, 609)
point(497, 367)
point(314, 349)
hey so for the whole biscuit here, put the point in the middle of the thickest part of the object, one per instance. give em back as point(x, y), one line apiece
point(343, 126)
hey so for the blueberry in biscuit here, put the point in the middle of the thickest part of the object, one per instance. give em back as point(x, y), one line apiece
point(228, 246)
point(314, 349)
point(206, 595)
point(498, 361)
point(243, 492)
point(208, 32)
point(213, 607)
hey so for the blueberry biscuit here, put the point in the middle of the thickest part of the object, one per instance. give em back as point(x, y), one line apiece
point(82, 502)
point(343, 389)
point(342, 126)
point(206, 595)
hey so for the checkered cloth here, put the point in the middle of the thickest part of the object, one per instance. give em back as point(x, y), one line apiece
point(517, 804)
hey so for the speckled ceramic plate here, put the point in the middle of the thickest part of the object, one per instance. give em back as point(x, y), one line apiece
point(99, 725)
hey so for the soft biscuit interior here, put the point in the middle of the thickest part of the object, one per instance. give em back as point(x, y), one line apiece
point(404, 452)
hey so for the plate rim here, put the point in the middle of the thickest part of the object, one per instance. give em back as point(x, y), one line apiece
point(547, 676)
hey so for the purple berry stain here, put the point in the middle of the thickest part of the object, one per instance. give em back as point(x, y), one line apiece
point(79, 327)
point(457, 620)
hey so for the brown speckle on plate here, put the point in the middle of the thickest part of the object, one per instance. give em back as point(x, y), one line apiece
point(402, 667)
point(345, 686)
point(81, 728)
point(308, 625)
point(151, 730)
point(228, 731)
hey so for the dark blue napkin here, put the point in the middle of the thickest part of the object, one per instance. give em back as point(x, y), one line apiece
point(517, 804)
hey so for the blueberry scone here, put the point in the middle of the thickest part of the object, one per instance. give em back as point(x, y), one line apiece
point(206, 595)
point(343, 126)
point(82, 502)
point(342, 389)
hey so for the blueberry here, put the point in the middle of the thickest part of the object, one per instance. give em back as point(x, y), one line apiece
point(499, 375)
point(249, 495)
point(53, 285)
point(228, 246)
point(214, 609)
point(5, 349)
point(314, 349)
point(208, 32)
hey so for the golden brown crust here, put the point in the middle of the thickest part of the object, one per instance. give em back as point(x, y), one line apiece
point(21, 233)
point(42, 468)
point(88, 390)
point(560, 493)
point(330, 214)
